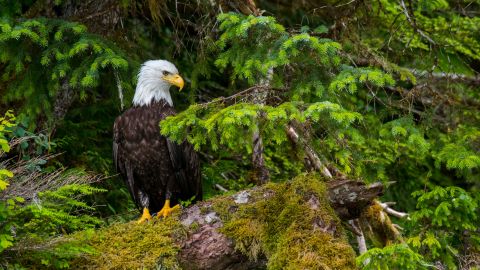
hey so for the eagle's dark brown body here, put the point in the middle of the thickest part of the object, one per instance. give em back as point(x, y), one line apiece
point(153, 167)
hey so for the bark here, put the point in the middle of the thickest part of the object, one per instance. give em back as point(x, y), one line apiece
point(63, 101)
point(261, 173)
point(207, 248)
point(246, 7)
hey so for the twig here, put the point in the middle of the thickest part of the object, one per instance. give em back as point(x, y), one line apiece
point(362, 244)
point(120, 89)
point(311, 155)
point(398, 227)
point(412, 22)
point(393, 212)
point(219, 187)
point(251, 90)
point(390, 203)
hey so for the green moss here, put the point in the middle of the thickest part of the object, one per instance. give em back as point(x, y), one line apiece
point(247, 234)
point(224, 206)
point(132, 246)
point(293, 228)
point(302, 249)
point(194, 226)
point(378, 227)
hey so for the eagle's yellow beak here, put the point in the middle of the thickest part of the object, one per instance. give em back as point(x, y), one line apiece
point(175, 79)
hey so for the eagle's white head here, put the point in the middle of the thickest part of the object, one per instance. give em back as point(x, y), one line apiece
point(154, 81)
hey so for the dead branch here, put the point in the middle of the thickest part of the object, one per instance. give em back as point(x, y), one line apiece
point(29, 180)
point(341, 196)
point(243, 96)
point(362, 244)
point(445, 76)
point(219, 187)
point(413, 23)
point(392, 212)
point(310, 153)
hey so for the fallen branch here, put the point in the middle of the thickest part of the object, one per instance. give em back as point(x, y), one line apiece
point(362, 244)
point(219, 187)
point(242, 231)
point(392, 212)
point(341, 196)
point(208, 248)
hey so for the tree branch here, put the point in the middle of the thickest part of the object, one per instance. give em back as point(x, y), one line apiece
point(362, 244)
point(413, 23)
point(392, 212)
point(314, 160)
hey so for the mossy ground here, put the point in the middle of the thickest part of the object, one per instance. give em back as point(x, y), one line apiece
point(132, 246)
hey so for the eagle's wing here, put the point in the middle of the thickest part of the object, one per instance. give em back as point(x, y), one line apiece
point(122, 166)
point(186, 166)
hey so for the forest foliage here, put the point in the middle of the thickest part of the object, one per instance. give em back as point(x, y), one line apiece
point(380, 90)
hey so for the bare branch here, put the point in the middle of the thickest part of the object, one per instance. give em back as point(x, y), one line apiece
point(219, 187)
point(362, 244)
point(311, 155)
point(453, 77)
point(246, 94)
point(28, 180)
point(413, 23)
point(393, 212)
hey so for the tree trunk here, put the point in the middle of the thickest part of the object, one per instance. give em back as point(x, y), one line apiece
point(261, 173)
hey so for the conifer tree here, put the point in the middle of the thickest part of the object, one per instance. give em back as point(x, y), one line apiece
point(369, 90)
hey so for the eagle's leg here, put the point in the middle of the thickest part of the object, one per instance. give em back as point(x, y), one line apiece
point(145, 216)
point(166, 209)
point(144, 201)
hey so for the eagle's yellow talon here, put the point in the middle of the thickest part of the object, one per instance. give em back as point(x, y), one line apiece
point(145, 216)
point(167, 210)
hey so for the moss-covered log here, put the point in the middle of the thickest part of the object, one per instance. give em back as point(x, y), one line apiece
point(294, 225)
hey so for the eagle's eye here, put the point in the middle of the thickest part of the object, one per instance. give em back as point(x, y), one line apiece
point(165, 73)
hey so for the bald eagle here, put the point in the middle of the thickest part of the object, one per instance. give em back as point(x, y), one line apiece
point(157, 171)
